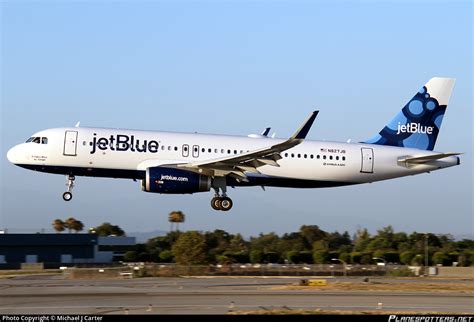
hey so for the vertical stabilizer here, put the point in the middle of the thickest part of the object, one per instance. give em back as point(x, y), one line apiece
point(417, 125)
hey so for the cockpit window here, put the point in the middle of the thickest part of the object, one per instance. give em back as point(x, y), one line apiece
point(38, 140)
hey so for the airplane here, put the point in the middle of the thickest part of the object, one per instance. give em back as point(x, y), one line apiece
point(186, 163)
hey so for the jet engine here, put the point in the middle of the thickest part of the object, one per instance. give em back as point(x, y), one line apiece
point(172, 180)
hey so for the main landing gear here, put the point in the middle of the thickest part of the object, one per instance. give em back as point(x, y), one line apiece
point(67, 196)
point(220, 201)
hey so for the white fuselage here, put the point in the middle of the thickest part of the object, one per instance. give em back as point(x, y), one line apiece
point(128, 153)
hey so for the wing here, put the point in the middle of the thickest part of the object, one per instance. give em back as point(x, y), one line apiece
point(237, 165)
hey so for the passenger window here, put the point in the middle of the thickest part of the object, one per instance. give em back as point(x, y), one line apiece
point(286, 155)
point(203, 150)
point(324, 157)
point(299, 155)
point(337, 157)
point(330, 157)
point(317, 157)
point(44, 140)
point(209, 150)
point(176, 148)
point(305, 156)
point(235, 151)
point(162, 147)
point(343, 158)
point(222, 150)
point(311, 156)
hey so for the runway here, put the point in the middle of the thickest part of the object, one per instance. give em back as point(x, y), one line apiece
point(46, 295)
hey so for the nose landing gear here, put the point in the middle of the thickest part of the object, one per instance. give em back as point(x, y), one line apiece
point(67, 196)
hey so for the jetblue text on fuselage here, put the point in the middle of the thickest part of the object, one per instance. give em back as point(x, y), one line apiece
point(122, 142)
point(414, 128)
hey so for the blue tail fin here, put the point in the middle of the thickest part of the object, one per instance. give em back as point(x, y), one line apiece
point(417, 125)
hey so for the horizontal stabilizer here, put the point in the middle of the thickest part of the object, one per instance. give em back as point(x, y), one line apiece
point(426, 158)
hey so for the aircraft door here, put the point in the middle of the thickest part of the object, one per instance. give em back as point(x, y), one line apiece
point(70, 143)
point(367, 160)
point(195, 151)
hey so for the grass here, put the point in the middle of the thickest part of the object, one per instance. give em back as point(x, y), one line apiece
point(430, 286)
point(340, 312)
point(4, 274)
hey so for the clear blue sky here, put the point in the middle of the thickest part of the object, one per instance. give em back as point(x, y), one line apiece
point(235, 68)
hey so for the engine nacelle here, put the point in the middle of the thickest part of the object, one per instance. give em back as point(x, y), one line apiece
point(172, 180)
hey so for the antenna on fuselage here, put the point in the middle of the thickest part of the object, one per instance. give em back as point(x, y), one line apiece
point(77, 124)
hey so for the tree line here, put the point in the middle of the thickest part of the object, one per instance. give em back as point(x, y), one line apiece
point(310, 245)
point(105, 229)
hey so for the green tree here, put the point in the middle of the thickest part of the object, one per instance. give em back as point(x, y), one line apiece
point(311, 234)
point(346, 257)
point(336, 240)
point(69, 224)
point(237, 244)
point(77, 226)
point(166, 256)
point(271, 257)
point(418, 260)
point(292, 242)
point(107, 229)
point(237, 257)
point(225, 260)
point(440, 258)
point(73, 224)
point(256, 256)
point(218, 240)
point(355, 257)
point(320, 245)
point(190, 249)
point(321, 257)
point(361, 240)
point(265, 242)
point(293, 257)
point(379, 253)
point(407, 257)
point(58, 225)
point(392, 256)
point(468, 257)
point(366, 259)
point(130, 256)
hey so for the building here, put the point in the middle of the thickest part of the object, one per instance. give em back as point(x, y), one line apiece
point(54, 250)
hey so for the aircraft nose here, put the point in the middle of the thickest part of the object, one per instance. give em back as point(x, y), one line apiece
point(12, 154)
